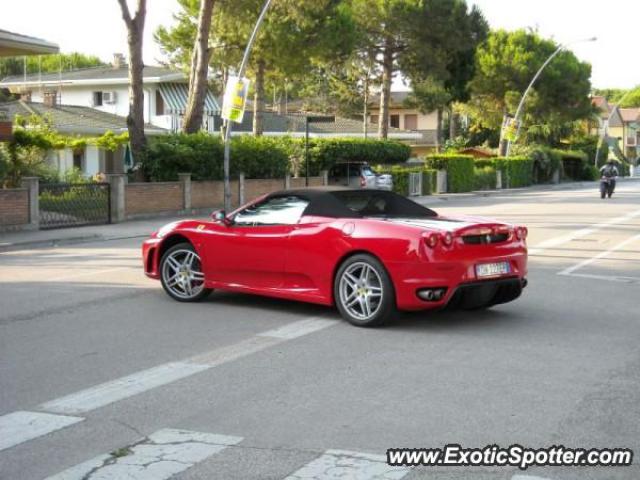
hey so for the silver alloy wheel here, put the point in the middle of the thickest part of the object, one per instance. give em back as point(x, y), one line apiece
point(361, 290)
point(182, 274)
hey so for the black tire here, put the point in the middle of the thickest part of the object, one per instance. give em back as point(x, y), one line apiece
point(386, 307)
point(181, 247)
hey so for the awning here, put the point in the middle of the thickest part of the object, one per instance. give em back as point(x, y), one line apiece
point(175, 97)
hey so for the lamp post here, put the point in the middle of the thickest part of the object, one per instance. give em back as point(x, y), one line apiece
point(228, 124)
point(516, 117)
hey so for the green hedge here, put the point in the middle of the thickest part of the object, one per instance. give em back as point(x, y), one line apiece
point(324, 153)
point(401, 178)
point(202, 155)
point(516, 171)
point(460, 170)
point(484, 178)
point(259, 157)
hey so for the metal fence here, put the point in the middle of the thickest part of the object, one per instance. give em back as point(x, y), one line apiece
point(74, 204)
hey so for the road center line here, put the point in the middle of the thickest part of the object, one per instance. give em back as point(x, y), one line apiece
point(139, 382)
point(19, 427)
point(588, 261)
point(583, 232)
point(160, 456)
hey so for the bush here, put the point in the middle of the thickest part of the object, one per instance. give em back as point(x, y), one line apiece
point(516, 171)
point(324, 153)
point(202, 155)
point(484, 178)
point(401, 178)
point(460, 170)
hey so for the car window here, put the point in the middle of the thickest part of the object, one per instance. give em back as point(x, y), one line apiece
point(285, 210)
point(368, 171)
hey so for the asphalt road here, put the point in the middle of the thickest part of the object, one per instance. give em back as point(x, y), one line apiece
point(101, 361)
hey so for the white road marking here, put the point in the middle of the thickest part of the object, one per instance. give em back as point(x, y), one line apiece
point(299, 329)
point(341, 464)
point(110, 392)
point(583, 232)
point(608, 278)
point(88, 274)
point(19, 427)
point(527, 477)
point(139, 382)
point(589, 261)
point(162, 455)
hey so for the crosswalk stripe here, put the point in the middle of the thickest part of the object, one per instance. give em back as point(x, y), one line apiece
point(161, 455)
point(121, 388)
point(341, 464)
point(139, 382)
point(19, 427)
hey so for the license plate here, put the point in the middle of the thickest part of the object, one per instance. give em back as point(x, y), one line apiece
point(492, 269)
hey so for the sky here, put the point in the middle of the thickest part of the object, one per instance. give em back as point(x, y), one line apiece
point(96, 27)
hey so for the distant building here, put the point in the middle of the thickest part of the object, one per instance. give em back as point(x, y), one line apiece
point(621, 126)
point(107, 89)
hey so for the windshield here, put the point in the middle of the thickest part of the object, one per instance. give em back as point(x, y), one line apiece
point(375, 203)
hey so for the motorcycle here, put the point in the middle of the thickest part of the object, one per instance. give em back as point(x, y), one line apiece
point(607, 185)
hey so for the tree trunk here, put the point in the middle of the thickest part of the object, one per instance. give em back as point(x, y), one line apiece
point(453, 124)
point(258, 100)
point(385, 94)
point(438, 129)
point(365, 110)
point(135, 119)
point(198, 85)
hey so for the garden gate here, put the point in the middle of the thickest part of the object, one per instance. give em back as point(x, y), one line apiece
point(74, 204)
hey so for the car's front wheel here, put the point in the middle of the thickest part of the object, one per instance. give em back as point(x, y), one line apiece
point(181, 274)
point(363, 291)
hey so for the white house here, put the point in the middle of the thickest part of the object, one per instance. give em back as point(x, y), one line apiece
point(107, 89)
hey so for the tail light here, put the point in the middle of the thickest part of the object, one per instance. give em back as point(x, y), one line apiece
point(432, 240)
point(363, 181)
point(447, 239)
point(521, 233)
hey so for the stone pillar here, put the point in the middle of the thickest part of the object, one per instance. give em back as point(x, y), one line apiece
point(32, 184)
point(241, 188)
point(325, 177)
point(287, 181)
point(185, 179)
point(498, 179)
point(556, 176)
point(441, 181)
point(118, 201)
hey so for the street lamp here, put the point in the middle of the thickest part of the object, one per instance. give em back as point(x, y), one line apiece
point(516, 118)
point(228, 124)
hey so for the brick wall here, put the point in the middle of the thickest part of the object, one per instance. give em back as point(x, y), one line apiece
point(150, 198)
point(300, 182)
point(14, 207)
point(210, 194)
point(255, 187)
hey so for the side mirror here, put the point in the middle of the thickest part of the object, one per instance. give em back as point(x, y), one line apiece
point(220, 216)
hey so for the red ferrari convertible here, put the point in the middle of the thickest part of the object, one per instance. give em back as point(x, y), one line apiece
point(369, 252)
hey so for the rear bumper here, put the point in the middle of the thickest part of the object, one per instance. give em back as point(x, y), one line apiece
point(487, 293)
point(458, 279)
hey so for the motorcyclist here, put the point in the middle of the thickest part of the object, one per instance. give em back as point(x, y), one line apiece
point(610, 171)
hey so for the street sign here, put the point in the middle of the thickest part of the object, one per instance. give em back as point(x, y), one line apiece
point(235, 99)
point(510, 129)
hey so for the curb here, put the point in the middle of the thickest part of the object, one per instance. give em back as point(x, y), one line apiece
point(57, 242)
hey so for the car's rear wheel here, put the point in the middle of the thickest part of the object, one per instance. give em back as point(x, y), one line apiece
point(181, 274)
point(363, 291)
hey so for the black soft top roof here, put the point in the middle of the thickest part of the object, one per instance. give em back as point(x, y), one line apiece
point(334, 202)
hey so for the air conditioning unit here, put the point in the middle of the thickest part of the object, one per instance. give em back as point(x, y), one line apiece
point(109, 97)
point(631, 141)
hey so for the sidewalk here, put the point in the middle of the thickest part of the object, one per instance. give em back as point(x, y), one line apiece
point(66, 236)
